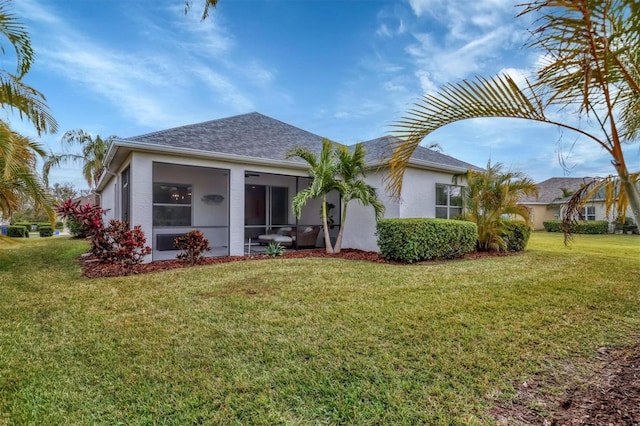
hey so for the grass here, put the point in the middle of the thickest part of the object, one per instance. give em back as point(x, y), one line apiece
point(303, 341)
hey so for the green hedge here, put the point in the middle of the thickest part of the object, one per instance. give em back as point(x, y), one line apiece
point(45, 231)
point(516, 235)
point(579, 227)
point(415, 240)
point(26, 225)
point(17, 231)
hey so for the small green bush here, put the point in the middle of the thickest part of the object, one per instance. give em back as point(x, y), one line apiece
point(17, 231)
point(45, 231)
point(414, 240)
point(579, 227)
point(59, 225)
point(76, 228)
point(274, 249)
point(516, 235)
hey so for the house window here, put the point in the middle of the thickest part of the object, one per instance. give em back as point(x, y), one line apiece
point(589, 213)
point(448, 201)
point(125, 192)
point(171, 204)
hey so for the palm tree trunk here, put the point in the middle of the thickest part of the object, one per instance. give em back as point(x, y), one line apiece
point(325, 226)
point(343, 219)
point(633, 194)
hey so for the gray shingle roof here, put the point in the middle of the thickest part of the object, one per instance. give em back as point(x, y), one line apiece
point(382, 148)
point(550, 190)
point(256, 135)
point(252, 135)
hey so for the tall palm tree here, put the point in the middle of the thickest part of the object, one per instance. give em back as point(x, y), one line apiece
point(18, 155)
point(323, 170)
point(490, 195)
point(93, 153)
point(351, 170)
point(592, 63)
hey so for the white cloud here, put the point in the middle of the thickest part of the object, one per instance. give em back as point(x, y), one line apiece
point(421, 7)
point(220, 85)
point(426, 82)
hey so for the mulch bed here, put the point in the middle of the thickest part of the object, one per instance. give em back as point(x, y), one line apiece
point(610, 396)
point(91, 268)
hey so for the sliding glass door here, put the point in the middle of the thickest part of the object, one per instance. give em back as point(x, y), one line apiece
point(264, 207)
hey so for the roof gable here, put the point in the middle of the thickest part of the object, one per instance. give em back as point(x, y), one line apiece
point(251, 135)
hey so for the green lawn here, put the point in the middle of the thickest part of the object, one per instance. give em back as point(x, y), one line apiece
point(304, 341)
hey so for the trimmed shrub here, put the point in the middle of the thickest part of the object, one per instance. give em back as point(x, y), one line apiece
point(516, 234)
point(59, 225)
point(27, 225)
point(17, 231)
point(415, 240)
point(45, 231)
point(193, 244)
point(552, 225)
point(118, 244)
point(578, 227)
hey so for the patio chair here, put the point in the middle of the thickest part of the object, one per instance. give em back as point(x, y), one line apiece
point(307, 237)
point(284, 236)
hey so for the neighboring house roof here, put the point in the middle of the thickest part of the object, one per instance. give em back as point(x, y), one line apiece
point(93, 199)
point(551, 190)
point(256, 137)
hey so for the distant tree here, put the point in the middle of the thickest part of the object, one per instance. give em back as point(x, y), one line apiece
point(93, 153)
point(492, 194)
point(591, 62)
point(62, 192)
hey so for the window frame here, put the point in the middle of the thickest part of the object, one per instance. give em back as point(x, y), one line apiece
point(587, 215)
point(459, 209)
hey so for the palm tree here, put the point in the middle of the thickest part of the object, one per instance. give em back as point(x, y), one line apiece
point(14, 94)
point(18, 179)
point(18, 155)
point(351, 170)
point(492, 194)
point(93, 153)
point(592, 63)
point(323, 174)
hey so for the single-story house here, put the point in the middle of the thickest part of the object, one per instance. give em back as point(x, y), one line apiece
point(553, 194)
point(230, 178)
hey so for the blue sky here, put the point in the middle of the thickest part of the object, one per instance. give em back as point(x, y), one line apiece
point(344, 69)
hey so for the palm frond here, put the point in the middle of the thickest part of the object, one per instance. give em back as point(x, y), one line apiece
point(18, 36)
point(498, 96)
point(28, 102)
